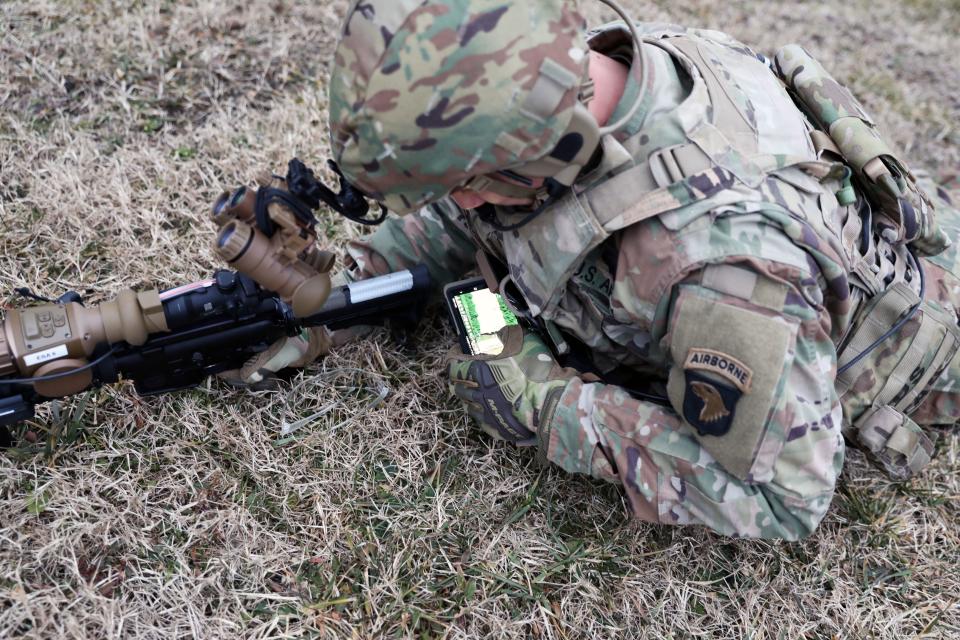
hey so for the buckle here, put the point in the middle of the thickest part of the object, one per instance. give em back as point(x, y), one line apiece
point(673, 164)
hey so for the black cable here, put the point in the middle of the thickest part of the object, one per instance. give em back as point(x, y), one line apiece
point(899, 325)
point(555, 191)
point(24, 292)
point(349, 214)
point(652, 398)
point(57, 376)
point(506, 228)
point(516, 177)
point(867, 229)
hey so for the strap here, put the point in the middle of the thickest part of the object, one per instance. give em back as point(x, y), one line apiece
point(487, 271)
point(865, 277)
point(673, 164)
point(505, 189)
point(895, 441)
point(553, 84)
point(647, 189)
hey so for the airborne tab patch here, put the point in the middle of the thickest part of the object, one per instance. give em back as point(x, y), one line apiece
point(727, 367)
point(709, 406)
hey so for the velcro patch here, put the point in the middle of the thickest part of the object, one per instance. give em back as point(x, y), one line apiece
point(709, 406)
point(727, 367)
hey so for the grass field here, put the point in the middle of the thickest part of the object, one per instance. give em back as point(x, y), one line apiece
point(188, 516)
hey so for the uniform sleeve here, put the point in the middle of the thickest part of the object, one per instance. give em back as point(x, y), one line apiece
point(436, 236)
point(750, 445)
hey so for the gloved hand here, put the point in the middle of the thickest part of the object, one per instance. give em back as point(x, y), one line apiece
point(259, 371)
point(512, 394)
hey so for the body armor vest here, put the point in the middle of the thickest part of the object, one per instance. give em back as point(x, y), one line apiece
point(739, 149)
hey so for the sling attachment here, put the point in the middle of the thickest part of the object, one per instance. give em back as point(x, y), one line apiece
point(895, 442)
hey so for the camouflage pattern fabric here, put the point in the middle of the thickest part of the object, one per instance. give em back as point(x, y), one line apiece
point(910, 216)
point(471, 115)
point(513, 394)
point(752, 443)
point(668, 471)
point(436, 236)
point(941, 403)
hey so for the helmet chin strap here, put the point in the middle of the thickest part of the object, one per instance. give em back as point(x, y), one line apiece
point(554, 191)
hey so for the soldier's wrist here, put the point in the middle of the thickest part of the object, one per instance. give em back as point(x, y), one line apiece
point(557, 417)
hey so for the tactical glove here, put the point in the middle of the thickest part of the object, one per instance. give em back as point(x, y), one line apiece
point(512, 395)
point(259, 372)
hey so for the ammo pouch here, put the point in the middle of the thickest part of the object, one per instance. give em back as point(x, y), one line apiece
point(895, 442)
point(904, 213)
point(878, 392)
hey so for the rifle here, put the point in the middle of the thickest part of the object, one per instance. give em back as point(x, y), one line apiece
point(174, 339)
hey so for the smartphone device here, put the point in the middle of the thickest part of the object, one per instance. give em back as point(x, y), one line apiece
point(477, 314)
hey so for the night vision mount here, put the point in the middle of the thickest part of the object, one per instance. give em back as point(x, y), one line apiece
point(350, 202)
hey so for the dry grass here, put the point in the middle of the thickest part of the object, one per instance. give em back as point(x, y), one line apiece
point(185, 517)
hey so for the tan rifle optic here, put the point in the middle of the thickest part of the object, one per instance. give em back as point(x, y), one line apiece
point(287, 262)
point(54, 339)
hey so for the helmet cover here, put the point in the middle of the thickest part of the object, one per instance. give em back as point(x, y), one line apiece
point(426, 94)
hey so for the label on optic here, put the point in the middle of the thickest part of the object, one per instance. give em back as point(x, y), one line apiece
point(45, 356)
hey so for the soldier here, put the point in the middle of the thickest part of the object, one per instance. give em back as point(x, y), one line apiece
point(666, 205)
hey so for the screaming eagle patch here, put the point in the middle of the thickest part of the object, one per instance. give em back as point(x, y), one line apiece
point(709, 406)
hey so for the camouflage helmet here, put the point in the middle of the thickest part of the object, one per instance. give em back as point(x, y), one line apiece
point(426, 95)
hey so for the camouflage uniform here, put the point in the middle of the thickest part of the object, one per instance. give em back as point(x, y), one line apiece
point(730, 279)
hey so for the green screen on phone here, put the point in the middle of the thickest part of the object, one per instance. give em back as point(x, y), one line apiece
point(483, 313)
